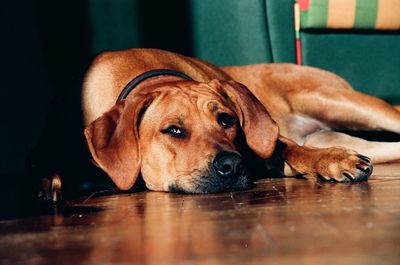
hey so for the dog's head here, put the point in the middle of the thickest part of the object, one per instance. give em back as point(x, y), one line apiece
point(182, 136)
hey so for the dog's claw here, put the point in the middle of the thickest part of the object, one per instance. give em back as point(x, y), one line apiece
point(363, 167)
point(348, 177)
point(365, 158)
point(364, 171)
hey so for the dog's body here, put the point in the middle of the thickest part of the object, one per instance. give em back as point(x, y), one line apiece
point(187, 137)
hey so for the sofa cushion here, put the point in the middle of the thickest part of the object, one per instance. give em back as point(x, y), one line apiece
point(350, 14)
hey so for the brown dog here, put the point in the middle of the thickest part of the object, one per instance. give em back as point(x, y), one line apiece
point(184, 135)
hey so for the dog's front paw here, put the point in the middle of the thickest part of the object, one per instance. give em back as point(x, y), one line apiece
point(343, 165)
point(50, 188)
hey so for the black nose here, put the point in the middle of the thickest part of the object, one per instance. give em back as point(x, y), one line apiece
point(228, 164)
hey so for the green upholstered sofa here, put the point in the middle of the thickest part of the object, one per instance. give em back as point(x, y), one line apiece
point(227, 32)
point(241, 32)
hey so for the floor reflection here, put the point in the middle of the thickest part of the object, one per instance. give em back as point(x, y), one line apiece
point(278, 221)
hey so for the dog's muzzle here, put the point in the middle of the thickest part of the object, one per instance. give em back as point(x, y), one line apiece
point(226, 172)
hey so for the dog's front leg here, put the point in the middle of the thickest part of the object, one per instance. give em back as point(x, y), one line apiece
point(331, 164)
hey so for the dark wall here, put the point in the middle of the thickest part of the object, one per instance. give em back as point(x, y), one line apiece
point(25, 88)
point(47, 46)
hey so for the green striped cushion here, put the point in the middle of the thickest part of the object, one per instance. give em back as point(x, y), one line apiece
point(350, 14)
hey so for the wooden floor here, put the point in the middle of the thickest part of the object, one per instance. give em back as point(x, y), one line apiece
point(281, 221)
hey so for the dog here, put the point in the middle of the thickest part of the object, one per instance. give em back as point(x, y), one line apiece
point(184, 125)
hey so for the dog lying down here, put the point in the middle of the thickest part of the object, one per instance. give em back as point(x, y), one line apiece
point(188, 126)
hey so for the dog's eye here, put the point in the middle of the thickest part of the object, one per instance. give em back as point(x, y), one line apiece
point(225, 120)
point(175, 131)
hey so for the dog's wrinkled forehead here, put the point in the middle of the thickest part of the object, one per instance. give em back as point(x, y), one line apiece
point(183, 96)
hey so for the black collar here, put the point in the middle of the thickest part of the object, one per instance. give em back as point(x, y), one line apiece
point(146, 75)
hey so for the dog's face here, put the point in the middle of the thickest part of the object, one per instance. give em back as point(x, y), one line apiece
point(182, 136)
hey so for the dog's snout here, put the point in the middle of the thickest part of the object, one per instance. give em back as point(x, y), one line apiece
point(228, 164)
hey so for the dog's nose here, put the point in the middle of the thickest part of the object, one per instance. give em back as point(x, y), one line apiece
point(228, 164)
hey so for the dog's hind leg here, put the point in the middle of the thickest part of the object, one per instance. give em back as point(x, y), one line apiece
point(347, 109)
point(351, 110)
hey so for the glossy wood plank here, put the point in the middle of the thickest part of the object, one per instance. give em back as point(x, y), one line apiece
point(281, 221)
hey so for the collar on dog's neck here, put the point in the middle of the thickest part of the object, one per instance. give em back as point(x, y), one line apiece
point(146, 75)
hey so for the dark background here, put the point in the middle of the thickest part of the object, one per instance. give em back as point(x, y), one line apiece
point(46, 48)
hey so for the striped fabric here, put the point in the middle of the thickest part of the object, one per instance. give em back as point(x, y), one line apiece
point(350, 14)
point(297, 31)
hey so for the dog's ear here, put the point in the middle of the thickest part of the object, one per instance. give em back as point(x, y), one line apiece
point(114, 142)
point(260, 130)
